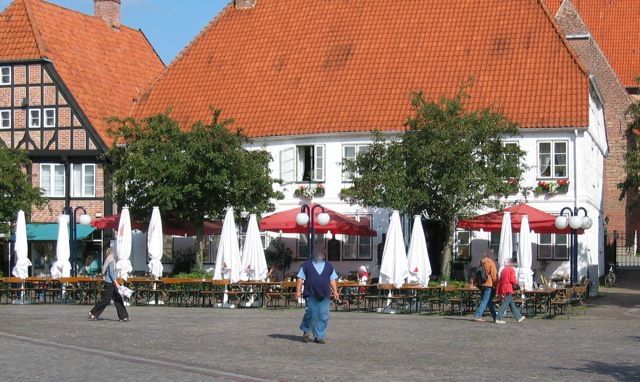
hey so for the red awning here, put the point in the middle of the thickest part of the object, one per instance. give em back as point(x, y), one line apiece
point(285, 221)
point(539, 221)
point(170, 226)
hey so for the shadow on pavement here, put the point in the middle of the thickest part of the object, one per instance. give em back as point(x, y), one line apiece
point(288, 337)
point(617, 371)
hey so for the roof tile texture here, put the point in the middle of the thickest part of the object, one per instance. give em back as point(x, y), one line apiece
point(290, 67)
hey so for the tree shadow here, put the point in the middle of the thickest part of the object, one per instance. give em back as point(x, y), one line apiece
point(617, 371)
point(288, 337)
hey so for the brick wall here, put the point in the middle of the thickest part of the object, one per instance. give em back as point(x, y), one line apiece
point(616, 102)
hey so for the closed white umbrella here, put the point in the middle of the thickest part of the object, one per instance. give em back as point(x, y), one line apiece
point(418, 257)
point(393, 269)
point(62, 266)
point(123, 241)
point(228, 263)
point(21, 269)
point(506, 245)
point(155, 243)
point(525, 274)
point(254, 263)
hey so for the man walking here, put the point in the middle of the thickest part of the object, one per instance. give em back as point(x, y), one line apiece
point(487, 280)
point(319, 279)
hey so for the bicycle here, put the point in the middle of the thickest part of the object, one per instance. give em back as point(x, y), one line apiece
point(610, 278)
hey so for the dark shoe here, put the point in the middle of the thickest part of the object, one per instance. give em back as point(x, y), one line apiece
point(126, 319)
point(91, 317)
point(320, 341)
point(306, 337)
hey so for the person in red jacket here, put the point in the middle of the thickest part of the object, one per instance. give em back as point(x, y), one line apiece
point(505, 289)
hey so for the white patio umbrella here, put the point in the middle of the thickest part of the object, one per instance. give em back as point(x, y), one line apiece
point(123, 242)
point(418, 257)
point(254, 263)
point(21, 269)
point(62, 267)
point(155, 243)
point(228, 263)
point(525, 274)
point(393, 269)
point(506, 245)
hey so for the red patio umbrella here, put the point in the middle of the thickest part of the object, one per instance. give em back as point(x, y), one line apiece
point(285, 221)
point(170, 226)
point(539, 221)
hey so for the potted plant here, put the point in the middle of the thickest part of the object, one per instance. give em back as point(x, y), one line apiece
point(563, 185)
point(319, 190)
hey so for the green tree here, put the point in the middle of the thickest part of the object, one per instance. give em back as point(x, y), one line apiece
point(16, 189)
point(192, 174)
point(448, 163)
point(630, 186)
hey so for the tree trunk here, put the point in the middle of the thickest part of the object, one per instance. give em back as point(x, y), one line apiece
point(447, 251)
point(200, 246)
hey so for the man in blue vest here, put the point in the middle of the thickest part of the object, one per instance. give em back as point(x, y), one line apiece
point(319, 280)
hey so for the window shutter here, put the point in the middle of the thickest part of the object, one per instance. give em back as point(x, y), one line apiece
point(318, 175)
point(287, 165)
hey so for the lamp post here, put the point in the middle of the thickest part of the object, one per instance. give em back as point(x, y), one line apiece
point(85, 219)
point(576, 222)
point(307, 217)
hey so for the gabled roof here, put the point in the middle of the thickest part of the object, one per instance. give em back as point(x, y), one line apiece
point(614, 26)
point(289, 67)
point(104, 68)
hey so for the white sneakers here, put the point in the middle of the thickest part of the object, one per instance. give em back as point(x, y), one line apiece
point(522, 319)
point(500, 322)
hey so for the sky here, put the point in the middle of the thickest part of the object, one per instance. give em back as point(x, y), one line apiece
point(169, 24)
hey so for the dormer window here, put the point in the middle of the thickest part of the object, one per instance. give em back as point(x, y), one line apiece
point(5, 75)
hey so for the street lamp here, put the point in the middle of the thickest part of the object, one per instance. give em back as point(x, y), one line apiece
point(307, 217)
point(84, 219)
point(576, 222)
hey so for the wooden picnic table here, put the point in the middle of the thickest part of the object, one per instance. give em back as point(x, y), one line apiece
point(542, 298)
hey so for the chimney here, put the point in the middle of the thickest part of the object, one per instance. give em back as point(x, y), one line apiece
point(108, 10)
point(244, 4)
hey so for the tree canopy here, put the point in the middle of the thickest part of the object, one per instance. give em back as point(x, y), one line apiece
point(16, 188)
point(191, 174)
point(447, 164)
point(630, 186)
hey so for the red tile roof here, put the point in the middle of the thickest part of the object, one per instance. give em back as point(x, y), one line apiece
point(614, 26)
point(104, 68)
point(289, 67)
point(553, 5)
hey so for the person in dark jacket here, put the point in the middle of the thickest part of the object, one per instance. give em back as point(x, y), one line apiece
point(111, 286)
point(505, 289)
point(319, 280)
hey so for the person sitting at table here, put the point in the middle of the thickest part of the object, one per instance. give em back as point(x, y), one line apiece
point(319, 279)
point(487, 286)
point(506, 286)
point(91, 266)
point(275, 274)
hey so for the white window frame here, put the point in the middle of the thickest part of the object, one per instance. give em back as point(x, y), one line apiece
point(32, 120)
point(319, 155)
point(459, 243)
point(52, 180)
point(288, 164)
point(359, 256)
point(47, 117)
point(553, 174)
point(554, 247)
point(291, 162)
point(3, 113)
point(358, 148)
point(83, 184)
point(3, 76)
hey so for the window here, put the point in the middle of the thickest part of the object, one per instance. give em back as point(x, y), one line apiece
point(49, 117)
point(553, 247)
point(463, 245)
point(5, 75)
point(552, 159)
point(211, 248)
point(34, 118)
point(302, 164)
point(52, 180)
point(351, 152)
point(303, 248)
point(5, 119)
point(83, 180)
point(358, 247)
point(494, 243)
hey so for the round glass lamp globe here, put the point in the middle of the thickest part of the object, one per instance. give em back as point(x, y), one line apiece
point(575, 222)
point(302, 218)
point(85, 219)
point(586, 222)
point(323, 218)
point(562, 222)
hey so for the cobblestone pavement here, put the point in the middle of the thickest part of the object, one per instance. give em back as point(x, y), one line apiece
point(56, 342)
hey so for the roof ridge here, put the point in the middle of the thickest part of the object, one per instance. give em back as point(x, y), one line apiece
point(40, 44)
point(181, 55)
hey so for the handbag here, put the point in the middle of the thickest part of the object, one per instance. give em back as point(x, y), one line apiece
point(124, 291)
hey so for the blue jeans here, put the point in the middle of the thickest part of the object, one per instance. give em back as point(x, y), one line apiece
point(508, 302)
point(487, 301)
point(316, 317)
